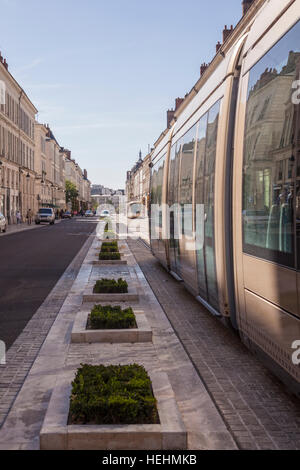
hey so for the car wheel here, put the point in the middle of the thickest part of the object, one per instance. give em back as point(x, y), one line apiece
point(4, 230)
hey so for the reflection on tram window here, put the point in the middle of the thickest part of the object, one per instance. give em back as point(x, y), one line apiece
point(272, 136)
point(204, 196)
point(186, 181)
point(156, 193)
point(173, 205)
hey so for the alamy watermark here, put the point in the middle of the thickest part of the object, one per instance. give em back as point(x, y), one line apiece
point(2, 353)
point(296, 354)
point(296, 94)
point(166, 222)
point(2, 92)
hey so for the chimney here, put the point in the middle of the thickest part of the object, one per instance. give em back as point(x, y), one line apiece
point(227, 32)
point(85, 174)
point(246, 5)
point(218, 46)
point(5, 64)
point(203, 68)
point(170, 116)
point(178, 102)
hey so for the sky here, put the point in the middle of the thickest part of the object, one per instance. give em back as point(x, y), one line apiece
point(103, 73)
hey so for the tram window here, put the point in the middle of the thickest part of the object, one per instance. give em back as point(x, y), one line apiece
point(204, 196)
point(270, 146)
point(156, 189)
point(186, 181)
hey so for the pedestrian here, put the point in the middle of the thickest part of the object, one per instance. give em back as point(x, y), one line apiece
point(29, 216)
point(18, 217)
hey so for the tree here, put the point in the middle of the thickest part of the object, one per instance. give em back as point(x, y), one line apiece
point(71, 194)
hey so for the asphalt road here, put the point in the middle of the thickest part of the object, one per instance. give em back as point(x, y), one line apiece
point(31, 262)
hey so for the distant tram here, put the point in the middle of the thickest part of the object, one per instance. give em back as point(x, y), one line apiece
point(135, 210)
point(226, 179)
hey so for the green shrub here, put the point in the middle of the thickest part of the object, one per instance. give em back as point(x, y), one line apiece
point(112, 243)
point(108, 317)
point(112, 395)
point(109, 256)
point(108, 286)
point(109, 249)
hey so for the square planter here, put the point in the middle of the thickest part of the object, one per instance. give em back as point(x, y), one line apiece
point(131, 296)
point(170, 434)
point(141, 334)
point(108, 261)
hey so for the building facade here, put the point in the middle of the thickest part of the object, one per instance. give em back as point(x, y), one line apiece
point(17, 148)
point(33, 166)
point(138, 182)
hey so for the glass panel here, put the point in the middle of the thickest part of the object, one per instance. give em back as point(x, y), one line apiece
point(270, 153)
point(209, 193)
point(156, 198)
point(199, 202)
point(174, 213)
point(186, 181)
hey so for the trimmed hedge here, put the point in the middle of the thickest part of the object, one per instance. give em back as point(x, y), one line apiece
point(109, 249)
point(111, 286)
point(112, 243)
point(109, 256)
point(112, 395)
point(109, 317)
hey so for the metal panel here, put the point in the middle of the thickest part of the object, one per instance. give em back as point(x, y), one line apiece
point(273, 330)
point(272, 282)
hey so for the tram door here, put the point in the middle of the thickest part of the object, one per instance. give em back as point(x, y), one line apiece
point(174, 172)
point(204, 206)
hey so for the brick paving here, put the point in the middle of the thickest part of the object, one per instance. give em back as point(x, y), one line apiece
point(256, 408)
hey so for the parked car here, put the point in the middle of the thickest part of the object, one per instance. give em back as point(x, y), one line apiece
point(45, 215)
point(67, 215)
point(89, 214)
point(3, 224)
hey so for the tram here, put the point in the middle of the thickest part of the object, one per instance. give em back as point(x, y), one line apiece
point(225, 186)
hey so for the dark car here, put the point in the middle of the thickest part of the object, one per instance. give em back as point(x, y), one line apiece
point(67, 215)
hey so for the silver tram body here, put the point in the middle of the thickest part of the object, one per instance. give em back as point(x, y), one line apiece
point(226, 176)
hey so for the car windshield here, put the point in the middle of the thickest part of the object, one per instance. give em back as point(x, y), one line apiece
point(45, 211)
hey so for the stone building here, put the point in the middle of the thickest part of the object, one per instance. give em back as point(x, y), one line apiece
point(80, 179)
point(33, 166)
point(17, 147)
point(138, 182)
